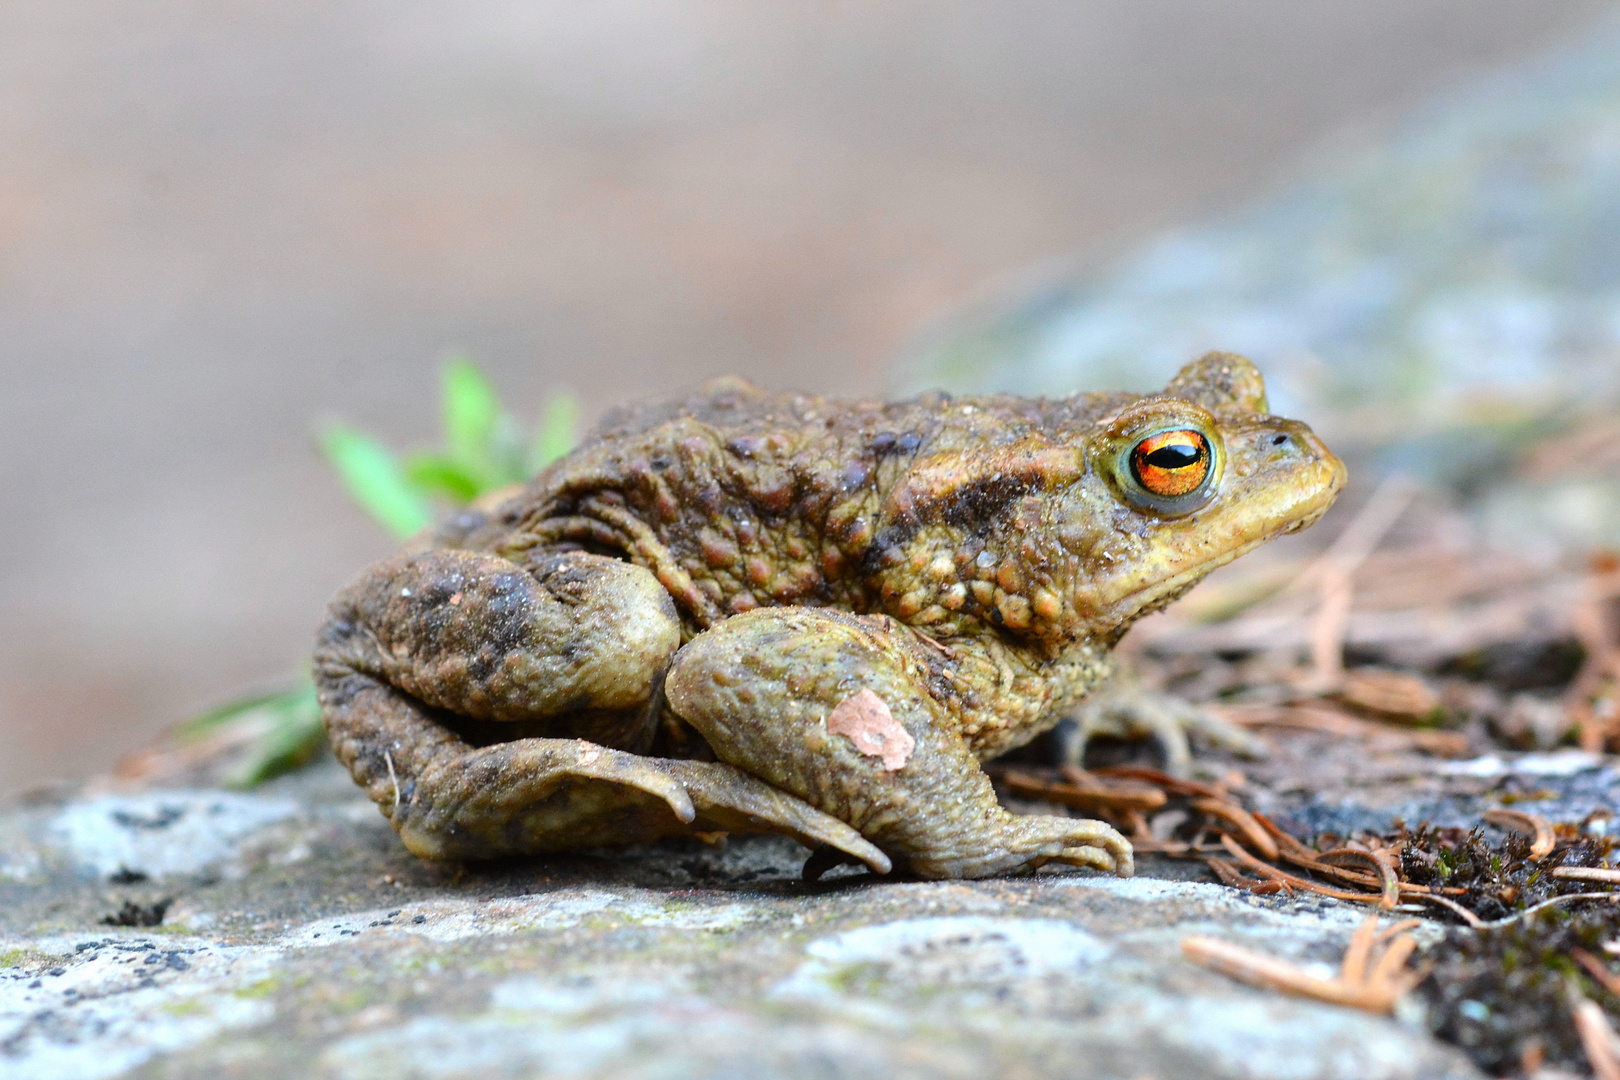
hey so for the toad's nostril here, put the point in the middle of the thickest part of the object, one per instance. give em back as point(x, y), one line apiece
point(1278, 440)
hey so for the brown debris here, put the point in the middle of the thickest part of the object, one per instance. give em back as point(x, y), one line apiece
point(1396, 695)
point(1593, 698)
point(1231, 876)
point(1387, 873)
point(1597, 1037)
point(1335, 572)
point(1598, 970)
point(1385, 880)
point(1528, 825)
point(1173, 785)
point(1408, 636)
point(1274, 876)
point(1557, 901)
point(1587, 873)
point(1321, 716)
point(1230, 812)
point(1248, 847)
point(1468, 917)
point(1372, 976)
point(1082, 791)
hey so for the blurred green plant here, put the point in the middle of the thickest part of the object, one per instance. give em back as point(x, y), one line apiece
point(484, 449)
point(260, 737)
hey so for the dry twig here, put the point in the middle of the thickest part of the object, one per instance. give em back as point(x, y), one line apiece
point(1372, 976)
point(1230, 875)
point(1597, 1037)
point(1333, 721)
point(1337, 567)
point(1388, 874)
point(1593, 698)
point(1240, 819)
point(1463, 913)
point(1171, 785)
point(1554, 902)
point(1251, 845)
point(1083, 792)
point(1293, 881)
point(1598, 970)
point(1395, 695)
point(1587, 873)
point(1532, 825)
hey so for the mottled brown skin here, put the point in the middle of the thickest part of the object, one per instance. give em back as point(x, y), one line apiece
point(648, 640)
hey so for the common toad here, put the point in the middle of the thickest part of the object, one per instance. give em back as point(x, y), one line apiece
point(758, 612)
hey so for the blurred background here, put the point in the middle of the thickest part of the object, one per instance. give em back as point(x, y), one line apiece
point(222, 224)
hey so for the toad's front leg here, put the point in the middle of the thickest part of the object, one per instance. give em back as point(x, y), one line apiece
point(762, 688)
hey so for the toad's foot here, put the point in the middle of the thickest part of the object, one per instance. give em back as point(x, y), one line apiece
point(729, 798)
point(1124, 709)
point(763, 687)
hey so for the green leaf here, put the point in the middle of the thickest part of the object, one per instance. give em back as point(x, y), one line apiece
point(204, 724)
point(472, 413)
point(375, 480)
point(556, 435)
point(509, 449)
point(269, 734)
point(442, 476)
point(294, 736)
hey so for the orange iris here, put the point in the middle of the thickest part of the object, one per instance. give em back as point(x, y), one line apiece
point(1171, 463)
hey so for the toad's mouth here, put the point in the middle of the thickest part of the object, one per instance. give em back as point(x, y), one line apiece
point(1237, 528)
point(1157, 595)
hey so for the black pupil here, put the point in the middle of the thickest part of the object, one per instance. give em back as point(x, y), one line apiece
point(1175, 456)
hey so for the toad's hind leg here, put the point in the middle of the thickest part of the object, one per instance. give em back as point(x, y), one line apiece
point(424, 648)
point(761, 688)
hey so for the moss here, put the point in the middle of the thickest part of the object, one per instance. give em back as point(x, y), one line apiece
point(353, 1000)
point(1498, 877)
point(261, 989)
point(1501, 993)
point(174, 930)
point(1497, 993)
point(20, 958)
point(864, 978)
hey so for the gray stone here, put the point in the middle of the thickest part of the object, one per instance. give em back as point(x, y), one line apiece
point(304, 941)
point(162, 833)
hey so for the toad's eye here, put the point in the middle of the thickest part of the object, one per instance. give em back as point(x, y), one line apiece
point(1171, 463)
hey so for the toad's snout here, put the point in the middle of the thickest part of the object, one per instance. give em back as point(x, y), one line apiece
point(1285, 473)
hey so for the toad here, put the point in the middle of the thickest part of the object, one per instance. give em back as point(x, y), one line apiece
point(749, 611)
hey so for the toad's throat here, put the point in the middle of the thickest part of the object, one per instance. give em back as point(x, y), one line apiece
point(1130, 596)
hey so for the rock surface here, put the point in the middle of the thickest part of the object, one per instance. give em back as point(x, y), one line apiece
point(298, 938)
